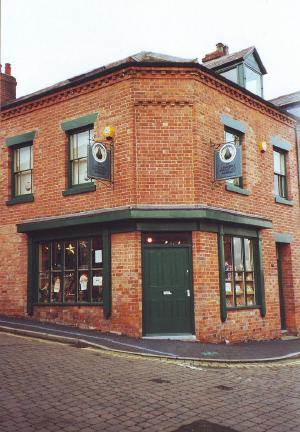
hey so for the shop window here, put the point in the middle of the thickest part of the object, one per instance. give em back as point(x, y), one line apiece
point(239, 267)
point(22, 170)
point(235, 137)
point(280, 177)
point(71, 271)
point(78, 145)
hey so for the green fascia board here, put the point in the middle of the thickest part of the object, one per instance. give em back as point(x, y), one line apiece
point(142, 214)
point(20, 139)
point(79, 122)
point(282, 237)
point(233, 188)
point(281, 143)
point(234, 124)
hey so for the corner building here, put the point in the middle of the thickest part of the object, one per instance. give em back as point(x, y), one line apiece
point(163, 249)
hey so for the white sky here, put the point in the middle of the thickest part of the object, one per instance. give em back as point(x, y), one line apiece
point(47, 41)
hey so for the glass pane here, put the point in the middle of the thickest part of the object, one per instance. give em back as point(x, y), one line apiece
point(25, 158)
point(70, 255)
point(23, 183)
point(83, 254)
point(75, 172)
point(232, 138)
point(73, 146)
point(282, 186)
point(253, 81)
point(56, 287)
point(276, 184)
point(16, 160)
point(44, 256)
point(44, 287)
point(57, 252)
point(231, 75)
point(168, 239)
point(238, 254)
point(83, 286)
point(279, 167)
point(82, 175)
point(97, 253)
point(83, 141)
point(97, 286)
point(248, 247)
point(70, 287)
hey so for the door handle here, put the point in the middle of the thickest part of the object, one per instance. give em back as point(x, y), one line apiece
point(167, 293)
point(188, 293)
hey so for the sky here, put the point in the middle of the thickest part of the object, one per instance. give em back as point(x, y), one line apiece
point(47, 41)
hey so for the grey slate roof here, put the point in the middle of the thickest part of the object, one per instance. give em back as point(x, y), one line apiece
point(291, 98)
point(234, 58)
point(143, 56)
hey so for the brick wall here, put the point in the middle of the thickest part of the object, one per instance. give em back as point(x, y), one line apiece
point(167, 124)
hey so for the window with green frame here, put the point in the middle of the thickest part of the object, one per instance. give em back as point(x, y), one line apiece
point(280, 177)
point(240, 271)
point(70, 271)
point(235, 137)
point(22, 170)
point(79, 139)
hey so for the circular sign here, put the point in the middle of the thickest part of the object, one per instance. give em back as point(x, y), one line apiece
point(99, 152)
point(227, 152)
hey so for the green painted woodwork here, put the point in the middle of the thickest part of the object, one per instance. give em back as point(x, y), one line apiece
point(281, 143)
point(107, 298)
point(234, 124)
point(282, 237)
point(78, 189)
point(20, 199)
point(281, 200)
point(79, 122)
point(116, 215)
point(167, 270)
point(223, 310)
point(281, 288)
point(260, 281)
point(233, 188)
point(20, 139)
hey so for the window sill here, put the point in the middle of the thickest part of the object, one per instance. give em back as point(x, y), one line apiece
point(20, 199)
point(233, 188)
point(86, 187)
point(281, 200)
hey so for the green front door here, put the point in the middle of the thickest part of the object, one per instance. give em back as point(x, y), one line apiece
point(167, 302)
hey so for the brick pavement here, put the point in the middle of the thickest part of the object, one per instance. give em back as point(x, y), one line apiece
point(48, 387)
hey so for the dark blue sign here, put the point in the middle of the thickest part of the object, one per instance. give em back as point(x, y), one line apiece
point(99, 161)
point(228, 162)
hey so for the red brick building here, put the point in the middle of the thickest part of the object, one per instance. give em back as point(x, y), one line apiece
point(162, 248)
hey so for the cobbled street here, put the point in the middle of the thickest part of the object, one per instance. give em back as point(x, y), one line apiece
point(48, 386)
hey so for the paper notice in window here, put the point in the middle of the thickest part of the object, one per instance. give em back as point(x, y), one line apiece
point(98, 256)
point(56, 287)
point(97, 280)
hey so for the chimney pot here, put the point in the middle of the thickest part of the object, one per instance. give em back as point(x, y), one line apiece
point(7, 68)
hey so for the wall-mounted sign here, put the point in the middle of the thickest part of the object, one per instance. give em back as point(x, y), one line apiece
point(228, 162)
point(99, 161)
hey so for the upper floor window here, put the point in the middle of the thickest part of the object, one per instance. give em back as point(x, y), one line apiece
point(253, 81)
point(22, 170)
point(280, 177)
point(78, 142)
point(235, 137)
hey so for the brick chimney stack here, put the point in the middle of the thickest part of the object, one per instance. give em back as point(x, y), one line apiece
point(8, 85)
point(221, 51)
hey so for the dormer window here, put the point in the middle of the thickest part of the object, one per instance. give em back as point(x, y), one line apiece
point(244, 68)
